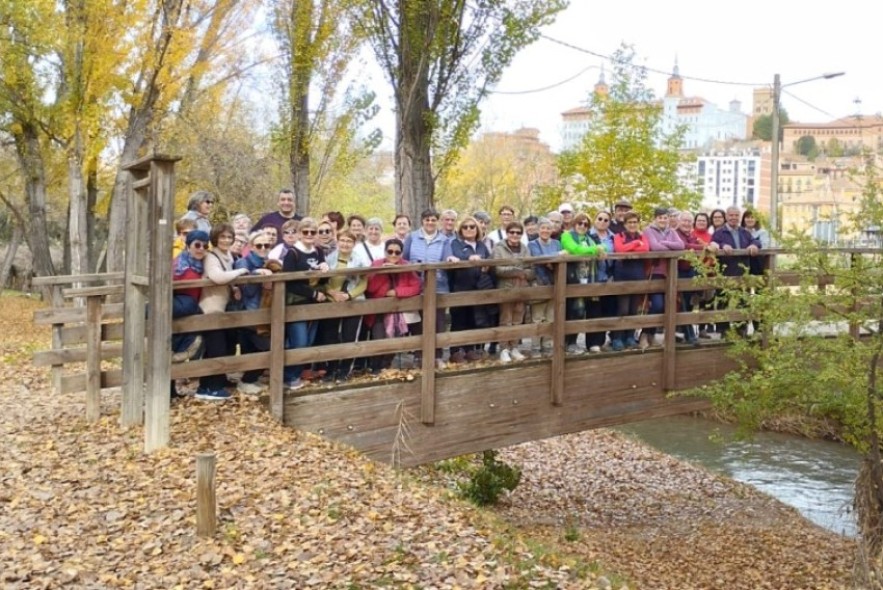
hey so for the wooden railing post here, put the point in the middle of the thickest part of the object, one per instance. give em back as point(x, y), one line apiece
point(277, 351)
point(93, 357)
point(559, 321)
point(670, 324)
point(427, 396)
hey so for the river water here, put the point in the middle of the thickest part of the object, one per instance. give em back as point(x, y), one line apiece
point(816, 477)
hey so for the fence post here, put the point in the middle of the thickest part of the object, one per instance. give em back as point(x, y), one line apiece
point(277, 351)
point(427, 396)
point(670, 323)
point(559, 321)
point(206, 508)
point(93, 357)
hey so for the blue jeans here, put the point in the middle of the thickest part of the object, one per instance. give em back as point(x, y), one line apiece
point(298, 335)
point(183, 306)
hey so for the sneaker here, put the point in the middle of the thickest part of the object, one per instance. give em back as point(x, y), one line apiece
point(294, 385)
point(458, 356)
point(342, 377)
point(474, 355)
point(594, 349)
point(574, 349)
point(630, 342)
point(644, 341)
point(192, 351)
point(440, 364)
point(504, 356)
point(516, 355)
point(704, 334)
point(616, 345)
point(217, 395)
point(249, 388)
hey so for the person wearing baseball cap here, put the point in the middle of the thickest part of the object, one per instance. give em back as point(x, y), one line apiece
point(566, 211)
point(620, 208)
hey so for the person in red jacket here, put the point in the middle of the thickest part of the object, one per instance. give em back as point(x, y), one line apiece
point(630, 240)
point(404, 284)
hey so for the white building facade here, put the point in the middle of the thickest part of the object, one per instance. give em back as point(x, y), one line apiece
point(726, 178)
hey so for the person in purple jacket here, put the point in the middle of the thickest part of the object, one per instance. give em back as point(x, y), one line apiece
point(731, 237)
point(660, 237)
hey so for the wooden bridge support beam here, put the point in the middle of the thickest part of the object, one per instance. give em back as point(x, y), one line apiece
point(559, 320)
point(151, 219)
point(670, 325)
point(277, 351)
point(427, 391)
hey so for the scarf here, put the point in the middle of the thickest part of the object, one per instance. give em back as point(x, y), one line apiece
point(184, 262)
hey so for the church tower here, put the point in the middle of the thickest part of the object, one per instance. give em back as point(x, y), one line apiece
point(601, 88)
point(675, 82)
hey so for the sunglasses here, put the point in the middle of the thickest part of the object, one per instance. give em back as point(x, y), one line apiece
point(209, 201)
point(308, 232)
point(290, 232)
point(197, 245)
point(394, 252)
point(582, 223)
point(261, 246)
point(324, 232)
point(470, 226)
point(515, 232)
point(604, 219)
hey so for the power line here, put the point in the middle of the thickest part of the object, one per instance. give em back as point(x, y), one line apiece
point(544, 88)
point(649, 69)
point(812, 106)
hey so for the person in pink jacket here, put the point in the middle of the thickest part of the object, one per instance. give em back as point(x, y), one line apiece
point(660, 237)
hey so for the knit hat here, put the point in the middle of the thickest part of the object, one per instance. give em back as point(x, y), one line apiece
point(197, 235)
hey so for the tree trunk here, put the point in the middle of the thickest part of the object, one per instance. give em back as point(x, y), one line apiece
point(91, 219)
point(78, 228)
point(30, 157)
point(6, 267)
point(414, 180)
point(299, 159)
point(300, 74)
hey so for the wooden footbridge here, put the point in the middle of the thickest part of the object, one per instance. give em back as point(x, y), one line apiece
point(432, 414)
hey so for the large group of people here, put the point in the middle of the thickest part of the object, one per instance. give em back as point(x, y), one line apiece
point(284, 241)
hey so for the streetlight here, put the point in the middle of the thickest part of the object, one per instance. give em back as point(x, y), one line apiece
point(774, 176)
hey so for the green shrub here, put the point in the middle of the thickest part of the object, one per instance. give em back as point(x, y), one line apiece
point(486, 483)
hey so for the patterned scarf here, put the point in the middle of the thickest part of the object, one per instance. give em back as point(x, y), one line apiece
point(185, 261)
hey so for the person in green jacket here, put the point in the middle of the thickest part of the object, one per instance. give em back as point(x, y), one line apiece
point(577, 241)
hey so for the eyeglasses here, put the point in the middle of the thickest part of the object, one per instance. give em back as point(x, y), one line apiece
point(261, 246)
point(209, 201)
point(394, 252)
point(197, 245)
point(308, 232)
point(289, 232)
point(324, 232)
point(470, 226)
point(582, 223)
point(514, 232)
point(604, 219)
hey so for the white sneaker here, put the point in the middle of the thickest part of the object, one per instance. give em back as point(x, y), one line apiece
point(574, 349)
point(249, 388)
point(294, 385)
point(594, 349)
point(504, 356)
point(516, 355)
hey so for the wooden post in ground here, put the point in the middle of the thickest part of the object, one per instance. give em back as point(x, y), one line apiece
point(277, 351)
point(93, 357)
point(57, 370)
point(559, 323)
point(427, 396)
point(206, 501)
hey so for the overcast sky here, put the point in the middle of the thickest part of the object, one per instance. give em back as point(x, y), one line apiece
point(747, 42)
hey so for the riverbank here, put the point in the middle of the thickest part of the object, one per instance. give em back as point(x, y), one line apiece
point(83, 507)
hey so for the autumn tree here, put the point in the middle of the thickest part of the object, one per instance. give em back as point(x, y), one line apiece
point(625, 154)
point(320, 119)
point(500, 168)
point(440, 57)
point(821, 357)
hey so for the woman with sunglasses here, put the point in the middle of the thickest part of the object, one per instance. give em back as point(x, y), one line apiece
point(188, 265)
point(289, 237)
point(303, 256)
point(605, 306)
point(199, 207)
point(259, 245)
point(577, 241)
point(402, 285)
point(467, 245)
point(326, 241)
point(512, 276)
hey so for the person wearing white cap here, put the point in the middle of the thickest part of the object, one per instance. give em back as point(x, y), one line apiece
point(566, 211)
